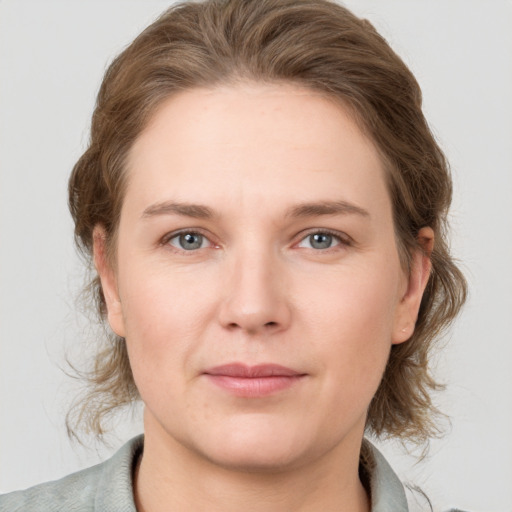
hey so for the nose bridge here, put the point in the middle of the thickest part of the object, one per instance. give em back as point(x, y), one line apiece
point(255, 296)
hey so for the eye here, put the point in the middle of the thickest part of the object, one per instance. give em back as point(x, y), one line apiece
point(189, 241)
point(321, 240)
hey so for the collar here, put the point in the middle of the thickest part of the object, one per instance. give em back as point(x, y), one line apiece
point(115, 485)
point(387, 492)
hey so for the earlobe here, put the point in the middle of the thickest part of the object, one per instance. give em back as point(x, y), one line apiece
point(408, 308)
point(108, 281)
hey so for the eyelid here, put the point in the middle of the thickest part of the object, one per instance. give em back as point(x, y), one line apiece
point(164, 241)
point(343, 238)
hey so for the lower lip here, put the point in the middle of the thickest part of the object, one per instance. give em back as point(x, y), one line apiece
point(254, 387)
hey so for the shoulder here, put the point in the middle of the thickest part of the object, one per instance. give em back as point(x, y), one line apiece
point(106, 486)
point(73, 492)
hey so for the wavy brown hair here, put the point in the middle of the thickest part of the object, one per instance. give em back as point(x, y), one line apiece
point(316, 44)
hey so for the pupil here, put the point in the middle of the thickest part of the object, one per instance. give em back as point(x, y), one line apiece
point(321, 241)
point(191, 241)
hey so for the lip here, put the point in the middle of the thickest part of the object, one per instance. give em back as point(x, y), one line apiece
point(253, 381)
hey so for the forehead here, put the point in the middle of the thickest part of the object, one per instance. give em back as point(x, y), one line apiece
point(254, 140)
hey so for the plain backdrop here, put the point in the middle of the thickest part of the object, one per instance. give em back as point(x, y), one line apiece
point(52, 57)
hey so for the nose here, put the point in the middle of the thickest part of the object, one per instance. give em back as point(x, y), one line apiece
point(255, 298)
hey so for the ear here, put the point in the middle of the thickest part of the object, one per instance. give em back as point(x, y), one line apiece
point(108, 281)
point(407, 309)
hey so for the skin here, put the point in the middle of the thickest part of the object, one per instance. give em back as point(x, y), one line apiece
point(258, 290)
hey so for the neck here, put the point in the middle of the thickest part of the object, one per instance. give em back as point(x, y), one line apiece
point(173, 477)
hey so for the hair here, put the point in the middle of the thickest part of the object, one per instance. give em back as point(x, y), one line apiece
point(316, 44)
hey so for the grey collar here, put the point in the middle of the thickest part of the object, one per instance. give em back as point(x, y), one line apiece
point(115, 485)
point(387, 492)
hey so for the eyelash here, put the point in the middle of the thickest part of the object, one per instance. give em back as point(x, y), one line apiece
point(342, 239)
point(167, 238)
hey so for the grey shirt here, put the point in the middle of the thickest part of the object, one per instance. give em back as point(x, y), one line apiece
point(108, 487)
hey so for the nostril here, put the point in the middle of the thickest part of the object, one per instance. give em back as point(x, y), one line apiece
point(271, 324)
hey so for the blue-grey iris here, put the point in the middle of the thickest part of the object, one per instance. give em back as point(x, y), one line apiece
point(320, 240)
point(191, 241)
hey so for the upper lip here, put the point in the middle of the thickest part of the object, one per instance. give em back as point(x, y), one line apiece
point(247, 371)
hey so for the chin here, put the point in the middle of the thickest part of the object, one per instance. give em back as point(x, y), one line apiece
point(254, 448)
point(255, 458)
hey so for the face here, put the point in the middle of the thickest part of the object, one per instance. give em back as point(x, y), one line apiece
point(257, 279)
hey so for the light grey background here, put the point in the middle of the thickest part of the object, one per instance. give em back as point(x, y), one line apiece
point(52, 57)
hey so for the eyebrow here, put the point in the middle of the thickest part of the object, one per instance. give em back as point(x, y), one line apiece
point(301, 210)
point(316, 209)
point(196, 211)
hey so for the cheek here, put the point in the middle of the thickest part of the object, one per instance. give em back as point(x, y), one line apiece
point(350, 321)
point(165, 315)
point(155, 295)
point(355, 302)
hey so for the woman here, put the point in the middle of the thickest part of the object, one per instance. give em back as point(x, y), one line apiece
point(265, 207)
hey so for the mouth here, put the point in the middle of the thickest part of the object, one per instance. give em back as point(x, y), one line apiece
point(253, 381)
